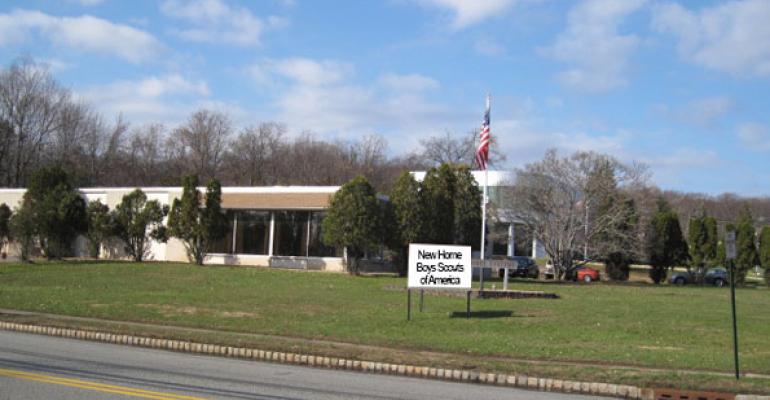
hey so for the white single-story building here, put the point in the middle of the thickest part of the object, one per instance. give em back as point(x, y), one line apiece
point(277, 226)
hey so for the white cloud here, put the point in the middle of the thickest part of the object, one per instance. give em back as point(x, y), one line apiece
point(84, 33)
point(682, 159)
point(311, 72)
point(754, 136)
point(591, 44)
point(55, 64)
point(705, 112)
point(167, 99)
point(214, 21)
point(470, 12)
point(408, 83)
point(321, 96)
point(730, 37)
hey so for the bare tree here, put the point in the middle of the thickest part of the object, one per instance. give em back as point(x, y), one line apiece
point(554, 197)
point(448, 149)
point(458, 149)
point(30, 102)
point(202, 142)
point(146, 155)
point(253, 157)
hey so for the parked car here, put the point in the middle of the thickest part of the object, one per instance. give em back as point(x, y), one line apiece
point(716, 276)
point(584, 274)
point(526, 267)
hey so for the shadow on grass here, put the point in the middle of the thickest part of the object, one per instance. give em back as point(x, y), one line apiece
point(483, 314)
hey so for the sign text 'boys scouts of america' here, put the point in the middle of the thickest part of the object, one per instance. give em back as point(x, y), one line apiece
point(436, 266)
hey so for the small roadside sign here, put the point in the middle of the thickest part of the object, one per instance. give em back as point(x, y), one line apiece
point(439, 266)
point(730, 252)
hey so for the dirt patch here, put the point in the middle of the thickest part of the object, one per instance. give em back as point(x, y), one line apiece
point(238, 314)
point(169, 311)
point(661, 348)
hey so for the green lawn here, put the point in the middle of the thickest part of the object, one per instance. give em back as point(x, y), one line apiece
point(633, 324)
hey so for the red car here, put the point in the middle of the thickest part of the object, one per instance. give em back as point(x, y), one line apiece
point(585, 274)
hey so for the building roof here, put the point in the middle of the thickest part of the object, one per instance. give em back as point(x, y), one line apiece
point(494, 178)
point(263, 197)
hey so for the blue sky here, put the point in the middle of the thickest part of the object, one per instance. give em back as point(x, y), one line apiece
point(681, 86)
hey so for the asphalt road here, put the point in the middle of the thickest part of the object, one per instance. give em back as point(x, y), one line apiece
point(42, 367)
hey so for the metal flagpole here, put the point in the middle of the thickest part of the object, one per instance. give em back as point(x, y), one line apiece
point(483, 232)
point(484, 218)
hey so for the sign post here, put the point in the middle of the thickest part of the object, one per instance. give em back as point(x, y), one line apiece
point(438, 266)
point(730, 253)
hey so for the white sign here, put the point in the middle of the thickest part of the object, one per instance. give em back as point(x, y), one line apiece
point(730, 245)
point(439, 266)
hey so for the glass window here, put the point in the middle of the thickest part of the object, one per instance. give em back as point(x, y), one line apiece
point(317, 248)
point(498, 235)
point(252, 232)
point(225, 245)
point(291, 233)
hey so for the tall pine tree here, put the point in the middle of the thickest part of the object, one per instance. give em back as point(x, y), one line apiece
point(408, 210)
point(665, 243)
point(764, 251)
point(745, 246)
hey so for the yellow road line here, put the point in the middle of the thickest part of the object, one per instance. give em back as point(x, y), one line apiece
point(100, 387)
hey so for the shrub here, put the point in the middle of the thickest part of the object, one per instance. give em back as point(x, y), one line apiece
point(100, 226)
point(22, 230)
point(198, 227)
point(137, 221)
point(354, 220)
point(618, 266)
point(55, 209)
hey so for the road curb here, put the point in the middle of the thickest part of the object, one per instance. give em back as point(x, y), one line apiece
point(456, 375)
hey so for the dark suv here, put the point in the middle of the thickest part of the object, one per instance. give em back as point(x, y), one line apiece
point(525, 267)
point(716, 276)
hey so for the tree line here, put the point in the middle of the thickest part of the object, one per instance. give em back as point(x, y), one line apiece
point(591, 207)
point(551, 199)
point(43, 124)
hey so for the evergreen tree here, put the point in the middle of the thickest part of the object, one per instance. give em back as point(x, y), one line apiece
point(56, 209)
point(709, 249)
point(438, 190)
point(764, 251)
point(702, 244)
point(22, 230)
point(745, 246)
point(616, 242)
point(696, 238)
point(451, 203)
point(467, 208)
point(197, 227)
point(100, 226)
point(353, 220)
point(137, 221)
point(721, 257)
point(408, 215)
point(665, 243)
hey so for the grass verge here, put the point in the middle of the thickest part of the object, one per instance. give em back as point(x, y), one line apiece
point(633, 334)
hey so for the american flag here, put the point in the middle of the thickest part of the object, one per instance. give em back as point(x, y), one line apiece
point(482, 153)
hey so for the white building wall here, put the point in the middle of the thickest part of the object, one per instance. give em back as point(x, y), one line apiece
point(174, 250)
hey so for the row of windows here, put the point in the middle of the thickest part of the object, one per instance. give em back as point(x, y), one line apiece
point(297, 233)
